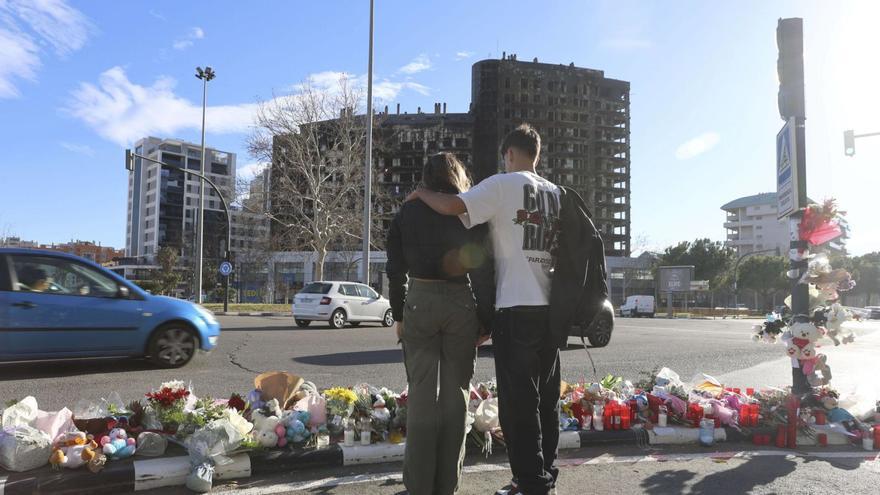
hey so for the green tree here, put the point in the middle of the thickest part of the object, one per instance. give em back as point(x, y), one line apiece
point(764, 275)
point(711, 259)
point(866, 272)
point(168, 277)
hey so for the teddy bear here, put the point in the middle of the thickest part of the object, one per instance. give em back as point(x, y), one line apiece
point(73, 449)
point(295, 426)
point(118, 445)
point(836, 316)
point(268, 430)
point(821, 373)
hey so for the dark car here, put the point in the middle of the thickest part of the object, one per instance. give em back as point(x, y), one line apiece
point(599, 331)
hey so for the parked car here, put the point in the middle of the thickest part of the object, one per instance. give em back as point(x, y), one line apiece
point(56, 305)
point(873, 312)
point(635, 306)
point(339, 303)
point(599, 331)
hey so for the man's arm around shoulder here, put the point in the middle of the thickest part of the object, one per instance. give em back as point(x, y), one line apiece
point(442, 203)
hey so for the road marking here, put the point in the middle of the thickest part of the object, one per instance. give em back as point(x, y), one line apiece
point(872, 459)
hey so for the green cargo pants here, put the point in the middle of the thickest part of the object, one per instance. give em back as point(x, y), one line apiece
point(439, 345)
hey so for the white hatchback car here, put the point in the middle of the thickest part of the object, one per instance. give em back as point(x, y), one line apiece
point(339, 303)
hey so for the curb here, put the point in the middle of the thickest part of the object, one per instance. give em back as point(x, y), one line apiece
point(244, 313)
point(139, 475)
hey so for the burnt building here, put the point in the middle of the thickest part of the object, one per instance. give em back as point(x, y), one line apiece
point(408, 139)
point(583, 119)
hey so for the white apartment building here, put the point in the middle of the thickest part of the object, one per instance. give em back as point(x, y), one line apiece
point(162, 203)
point(752, 225)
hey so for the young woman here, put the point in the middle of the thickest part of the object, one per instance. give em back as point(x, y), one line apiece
point(450, 282)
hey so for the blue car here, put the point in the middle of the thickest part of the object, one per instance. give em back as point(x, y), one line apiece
point(55, 305)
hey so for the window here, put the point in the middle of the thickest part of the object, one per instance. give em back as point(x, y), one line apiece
point(60, 276)
point(317, 288)
point(506, 83)
point(350, 290)
point(367, 292)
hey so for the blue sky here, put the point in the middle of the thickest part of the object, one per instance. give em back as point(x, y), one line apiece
point(80, 80)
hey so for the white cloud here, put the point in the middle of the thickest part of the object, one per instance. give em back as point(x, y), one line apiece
point(187, 41)
point(419, 64)
point(123, 111)
point(248, 171)
point(463, 55)
point(697, 146)
point(82, 149)
point(26, 26)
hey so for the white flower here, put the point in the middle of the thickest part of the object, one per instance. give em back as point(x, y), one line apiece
point(173, 385)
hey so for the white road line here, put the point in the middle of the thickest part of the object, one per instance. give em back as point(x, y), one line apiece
point(572, 462)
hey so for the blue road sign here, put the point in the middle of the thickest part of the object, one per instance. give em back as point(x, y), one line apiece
point(225, 268)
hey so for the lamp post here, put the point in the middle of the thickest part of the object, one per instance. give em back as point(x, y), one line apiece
point(205, 75)
point(129, 165)
point(368, 166)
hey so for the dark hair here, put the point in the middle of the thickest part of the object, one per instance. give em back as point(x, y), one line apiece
point(444, 173)
point(30, 275)
point(524, 138)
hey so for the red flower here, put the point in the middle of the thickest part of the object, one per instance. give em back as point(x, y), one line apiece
point(521, 216)
point(237, 403)
point(166, 397)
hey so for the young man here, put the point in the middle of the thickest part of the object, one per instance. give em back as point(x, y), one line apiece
point(522, 210)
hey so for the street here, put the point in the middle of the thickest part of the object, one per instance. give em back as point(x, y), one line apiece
point(251, 345)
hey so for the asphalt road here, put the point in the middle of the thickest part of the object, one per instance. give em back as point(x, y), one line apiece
point(250, 345)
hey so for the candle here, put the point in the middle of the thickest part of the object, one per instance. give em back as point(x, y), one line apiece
point(662, 416)
point(365, 437)
point(349, 437)
point(868, 442)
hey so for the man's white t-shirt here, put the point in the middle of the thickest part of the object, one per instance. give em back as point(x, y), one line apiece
point(522, 209)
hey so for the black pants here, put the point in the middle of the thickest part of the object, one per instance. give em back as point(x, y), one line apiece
point(527, 370)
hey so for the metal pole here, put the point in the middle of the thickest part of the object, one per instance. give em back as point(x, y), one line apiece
point(200, 238)
point(368, 166)
point(800, 293)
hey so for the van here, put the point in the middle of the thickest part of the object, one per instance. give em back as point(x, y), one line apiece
point(638, 306)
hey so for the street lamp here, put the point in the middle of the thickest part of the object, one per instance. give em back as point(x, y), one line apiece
point(205, 75)
point(368, 172)
point(129, 165)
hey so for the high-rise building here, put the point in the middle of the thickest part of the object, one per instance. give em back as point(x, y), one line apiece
point(583, 119)
point(163, 203)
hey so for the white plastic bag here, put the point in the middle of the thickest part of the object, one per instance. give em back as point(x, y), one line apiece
point(314, 404)
point(54, 423)
point(486, 416)
point(23, 448)
point(668, 379)
point(22, 413)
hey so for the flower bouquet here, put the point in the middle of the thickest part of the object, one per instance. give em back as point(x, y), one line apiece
point(168, 405)
point(340, 406)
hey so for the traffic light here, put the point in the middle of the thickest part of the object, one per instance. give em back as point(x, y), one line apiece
point(790, 67)
point(849, 143)
point(129, 161)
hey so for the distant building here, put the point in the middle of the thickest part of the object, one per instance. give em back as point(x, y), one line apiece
point(90, 250)
point(163, 203)
point(752, 225)
point(582, 117)
point(17, 242)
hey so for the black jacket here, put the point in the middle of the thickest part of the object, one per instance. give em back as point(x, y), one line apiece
point(578, 288)
point(424, 244)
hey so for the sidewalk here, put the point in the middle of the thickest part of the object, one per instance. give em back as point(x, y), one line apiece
point(142, 474)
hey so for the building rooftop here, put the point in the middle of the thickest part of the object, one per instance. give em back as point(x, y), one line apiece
point(425, 118)
point(768, 198)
